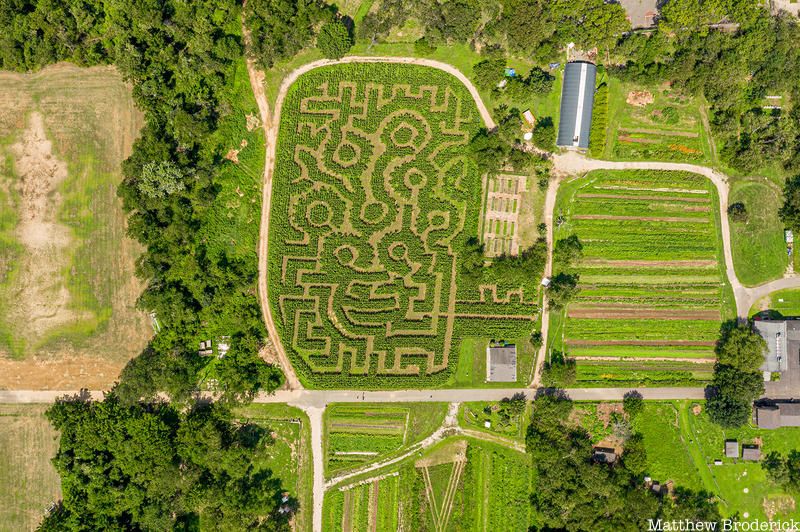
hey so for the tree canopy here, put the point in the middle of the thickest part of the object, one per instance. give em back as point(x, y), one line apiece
point(152, 467)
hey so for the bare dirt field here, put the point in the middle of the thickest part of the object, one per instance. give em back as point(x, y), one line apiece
point(28, 481)
point(67, 284)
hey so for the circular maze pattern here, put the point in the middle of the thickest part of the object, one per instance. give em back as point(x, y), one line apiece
point(374, 196)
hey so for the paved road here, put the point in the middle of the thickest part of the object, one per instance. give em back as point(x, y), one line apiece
point(318, 399)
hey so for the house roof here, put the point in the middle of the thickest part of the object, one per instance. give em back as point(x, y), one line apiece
point(605, 455)
point(501, 363)
point(774, 333)
point(778, 415)
point(577, 99)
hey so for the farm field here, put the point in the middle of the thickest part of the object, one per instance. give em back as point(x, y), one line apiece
point(759, 250)
point(28, 481)
point(654, 123)
point(67, 283)
point(460, 484)
point(372, 206)
point(653, 293)
point(290, 453)
point(356, 434)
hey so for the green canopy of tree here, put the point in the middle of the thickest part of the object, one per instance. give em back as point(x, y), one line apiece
point(334, 39)
point(563, 287)
point(281, 28)
point(737, 381)
point(790, 210)
point(573, 492)
point(152, 467)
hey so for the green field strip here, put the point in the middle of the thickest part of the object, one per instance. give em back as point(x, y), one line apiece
point(624, 351)
point(640, 329)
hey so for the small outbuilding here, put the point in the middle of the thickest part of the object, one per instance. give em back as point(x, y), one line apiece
point(577, 100)
point(732, 448)
point(501, 363)
point(751, 453)
point(604, 455)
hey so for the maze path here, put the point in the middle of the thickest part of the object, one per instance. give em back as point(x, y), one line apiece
point(374, 199)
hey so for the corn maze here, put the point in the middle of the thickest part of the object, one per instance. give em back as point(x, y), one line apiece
point(374, 197)
point(652, 288)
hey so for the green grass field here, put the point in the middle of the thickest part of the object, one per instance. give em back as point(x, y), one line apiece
point(759, 250)
point(290, 453)
point(475, 415)
point(781, 303)
point(356, 434)
point(456, 485)
point(371, 209)
point(669, 128)
point(28, 481)
point(682, 446)
point(652, 284)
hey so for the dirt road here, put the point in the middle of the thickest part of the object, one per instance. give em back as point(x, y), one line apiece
point(574, 163)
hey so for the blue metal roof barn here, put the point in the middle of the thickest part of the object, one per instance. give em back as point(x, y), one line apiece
point(577, 99)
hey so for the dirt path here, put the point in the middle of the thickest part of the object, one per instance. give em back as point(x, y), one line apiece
point(549, 207)
point(574, 163)
point(270, 137)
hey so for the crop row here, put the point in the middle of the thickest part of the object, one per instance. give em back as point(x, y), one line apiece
point(365, 442)
point(641, 329)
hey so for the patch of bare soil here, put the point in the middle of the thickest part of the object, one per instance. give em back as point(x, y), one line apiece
point(59, 371)
point(40, 298)
point(775, 505)
point(696, 409)
point(640, 98)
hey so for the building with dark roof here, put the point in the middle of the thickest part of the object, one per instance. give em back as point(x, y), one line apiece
point(604, 455)
point(577, 99)
point(501, 363)
point(776, 415)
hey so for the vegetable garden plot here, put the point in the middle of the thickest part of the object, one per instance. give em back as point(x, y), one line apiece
point(652, 286)
point(373, 201)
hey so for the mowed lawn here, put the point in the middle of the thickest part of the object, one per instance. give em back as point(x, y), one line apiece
point(28, 481)
point(759, 249)
point(652, 289)
point(682, 445)
point(356, 434)
point(459, 484)
point(780, 303)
